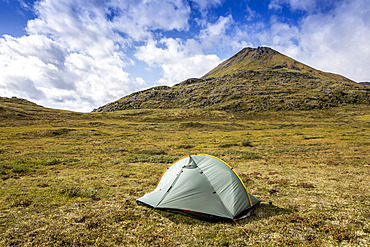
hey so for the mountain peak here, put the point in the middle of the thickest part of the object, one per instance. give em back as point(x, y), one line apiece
point(257, 59)
point(261, 51)
point(254, 79)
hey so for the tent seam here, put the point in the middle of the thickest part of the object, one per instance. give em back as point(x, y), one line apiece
point(231, 215)
point(169, 168)
point(173, 183)
point(232, 169)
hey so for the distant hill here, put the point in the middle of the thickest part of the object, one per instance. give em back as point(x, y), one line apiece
point(15, 111)
point(255, 79)
point(366, 83)
point(16, 108)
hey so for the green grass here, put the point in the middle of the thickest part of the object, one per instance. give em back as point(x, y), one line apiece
point(72, 179)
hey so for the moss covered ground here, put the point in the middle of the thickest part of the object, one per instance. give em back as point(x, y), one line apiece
point(71, 179)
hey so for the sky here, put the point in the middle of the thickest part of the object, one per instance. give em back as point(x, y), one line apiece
point(81, 54)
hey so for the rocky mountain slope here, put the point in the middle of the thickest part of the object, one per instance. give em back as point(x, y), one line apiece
point(255, 79)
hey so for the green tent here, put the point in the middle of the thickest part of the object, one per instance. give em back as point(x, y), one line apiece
point(203, 186)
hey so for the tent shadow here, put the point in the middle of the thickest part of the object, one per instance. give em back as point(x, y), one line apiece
point(177, 217)
point(263, 211)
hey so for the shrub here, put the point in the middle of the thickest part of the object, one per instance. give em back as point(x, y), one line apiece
point(192, 125)
point(247, 143)
point(305, 185)
point(21, 169)
point(53, 162)
point(152, 152)
point(250, 156)
point(185, 146)
point(78, 192)
point(150, 159)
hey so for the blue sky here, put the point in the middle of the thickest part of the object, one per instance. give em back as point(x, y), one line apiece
point(81, 54)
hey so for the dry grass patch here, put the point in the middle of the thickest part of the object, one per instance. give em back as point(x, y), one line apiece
point(78, 186)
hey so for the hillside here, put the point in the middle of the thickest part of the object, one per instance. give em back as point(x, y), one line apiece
point(255, 79)
point(16, 111)
point(366, 83)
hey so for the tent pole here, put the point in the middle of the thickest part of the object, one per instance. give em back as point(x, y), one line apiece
point(240, 227)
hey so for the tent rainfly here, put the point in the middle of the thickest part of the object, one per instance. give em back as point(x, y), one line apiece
point(203, 186)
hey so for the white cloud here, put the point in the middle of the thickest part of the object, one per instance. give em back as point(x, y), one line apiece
point(178, 60)
point(20, 86)
point(204, 4)
point(80, 26)
point(138, 18)
point(307, 5)
point(250, 13)
point(38, 68)
point(215, 34)
point(338, 41)
point(73, 55)
point(334, 40)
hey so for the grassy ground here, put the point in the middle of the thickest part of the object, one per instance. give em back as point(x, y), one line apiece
point(72, 179)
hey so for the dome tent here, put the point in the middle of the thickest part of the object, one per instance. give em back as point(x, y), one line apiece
point(203, 186)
